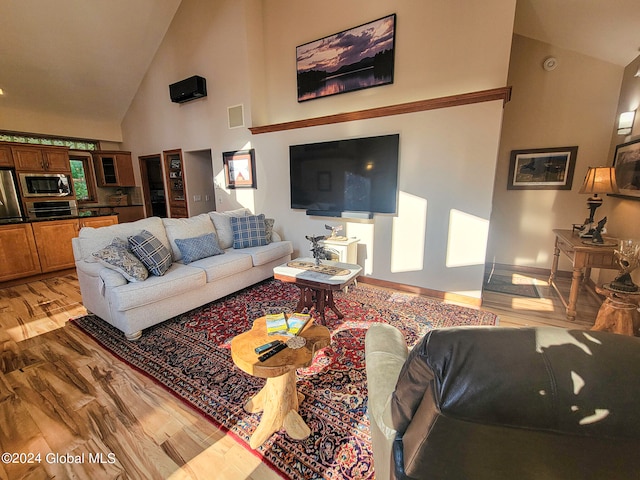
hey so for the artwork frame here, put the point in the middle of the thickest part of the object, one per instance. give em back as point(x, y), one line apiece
point(626, 161)
point(542, 168)
point(239, 168)
point(353, 59)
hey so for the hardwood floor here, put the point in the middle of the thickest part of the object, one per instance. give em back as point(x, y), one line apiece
point(64, 397)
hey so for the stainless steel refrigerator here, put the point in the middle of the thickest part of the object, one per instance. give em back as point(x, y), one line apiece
point(9, 203)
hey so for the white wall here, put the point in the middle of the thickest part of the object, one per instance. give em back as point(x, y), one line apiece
point(575, 104)
point(447, 157)
point(625, 213)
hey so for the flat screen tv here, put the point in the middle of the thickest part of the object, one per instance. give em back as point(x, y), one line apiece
point(345, 178)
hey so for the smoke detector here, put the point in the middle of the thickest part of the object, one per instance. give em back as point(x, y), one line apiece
point(550, 63)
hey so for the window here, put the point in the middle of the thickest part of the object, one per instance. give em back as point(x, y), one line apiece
point(32, 139)
point(83, 178)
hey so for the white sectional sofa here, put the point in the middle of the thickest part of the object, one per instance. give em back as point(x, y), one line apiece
point(132, 306)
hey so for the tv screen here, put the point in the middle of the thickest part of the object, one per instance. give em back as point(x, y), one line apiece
point(355, 175)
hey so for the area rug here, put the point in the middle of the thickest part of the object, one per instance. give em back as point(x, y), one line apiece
point(190, 356)
point(504, 284)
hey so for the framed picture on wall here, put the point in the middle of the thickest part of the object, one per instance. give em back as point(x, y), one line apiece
point(357, 58)
point(239, 168)
point(627, 164)
point(542, 168)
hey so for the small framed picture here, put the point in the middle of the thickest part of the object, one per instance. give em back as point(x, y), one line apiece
point(239, 168)
point(542, 168)
point(627, 164)
point(173, 174)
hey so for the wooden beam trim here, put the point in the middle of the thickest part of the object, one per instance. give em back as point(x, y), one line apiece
point(502, 93)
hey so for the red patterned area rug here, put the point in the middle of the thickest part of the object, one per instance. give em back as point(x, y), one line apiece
point(190, 356)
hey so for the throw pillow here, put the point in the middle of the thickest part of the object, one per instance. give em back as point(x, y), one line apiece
point(248, 231)
point(195, 248)
point(118, 257)
point(268, 229)
point(222, 223)
point(186, 228)
point(151, 252)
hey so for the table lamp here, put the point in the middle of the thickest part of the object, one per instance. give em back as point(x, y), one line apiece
point(598, 180)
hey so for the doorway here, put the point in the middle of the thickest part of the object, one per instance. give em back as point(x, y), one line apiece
point(153, 188)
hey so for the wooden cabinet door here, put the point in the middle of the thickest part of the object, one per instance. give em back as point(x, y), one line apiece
point(28, 159)
point(38, 159)
point(54, 243)
point(129, 214)
point(6, 159)
point(97, 222)
point(114, 169)
point(124, 169)
point(56, 160)
point(18, 252)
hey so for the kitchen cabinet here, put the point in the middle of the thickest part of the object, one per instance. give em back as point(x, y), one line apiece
point(97, 222)
point(174, 171)
point(18, 252)
point(41, 159)
point(130, 213)
point(53, 239)
point(6, 159)
point(114, 169)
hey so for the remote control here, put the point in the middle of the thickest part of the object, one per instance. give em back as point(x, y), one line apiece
point(267, 346)
point(272, 352)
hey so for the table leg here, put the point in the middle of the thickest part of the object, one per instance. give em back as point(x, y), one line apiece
point(332, 305)
point(278, 400)
point(576, 279)
point(554, 263)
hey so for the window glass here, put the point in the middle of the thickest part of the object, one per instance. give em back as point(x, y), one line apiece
point(82, 179)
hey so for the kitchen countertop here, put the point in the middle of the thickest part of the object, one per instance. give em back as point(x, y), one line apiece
point(14, 221)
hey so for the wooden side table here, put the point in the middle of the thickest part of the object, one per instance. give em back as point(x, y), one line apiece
point(583, 257)
point(619, 312)
point(279, 399)
point(316, 289)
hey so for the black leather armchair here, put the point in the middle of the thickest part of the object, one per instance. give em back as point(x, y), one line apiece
point(504, 403)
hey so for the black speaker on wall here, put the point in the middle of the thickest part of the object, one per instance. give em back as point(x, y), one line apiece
point(188, 89)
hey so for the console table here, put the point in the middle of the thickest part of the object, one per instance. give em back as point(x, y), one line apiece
point(584, 256)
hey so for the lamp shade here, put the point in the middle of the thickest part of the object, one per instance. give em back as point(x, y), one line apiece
point(600, 180)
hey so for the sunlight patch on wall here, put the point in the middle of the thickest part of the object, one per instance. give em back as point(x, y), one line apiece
point(409, 228)
point(467, 240)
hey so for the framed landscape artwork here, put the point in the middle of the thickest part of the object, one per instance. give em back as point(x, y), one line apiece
point(239, 168)
point(542, 168)
point(627, 164)
point(361, 57)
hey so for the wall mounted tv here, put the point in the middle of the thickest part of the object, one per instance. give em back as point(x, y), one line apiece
point(345, 178)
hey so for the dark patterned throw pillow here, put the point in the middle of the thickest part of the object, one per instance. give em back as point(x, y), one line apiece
point(151, 252)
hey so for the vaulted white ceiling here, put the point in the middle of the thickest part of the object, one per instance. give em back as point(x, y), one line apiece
point(86, 58)
point(78, 58)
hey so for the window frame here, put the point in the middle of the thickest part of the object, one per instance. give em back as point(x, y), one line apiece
point(90, 176)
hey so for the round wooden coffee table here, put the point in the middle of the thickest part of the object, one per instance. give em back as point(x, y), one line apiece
point(279, 399)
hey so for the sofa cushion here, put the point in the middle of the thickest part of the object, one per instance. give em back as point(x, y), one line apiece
point(222, 224)
point(186, 228)
point(117, 256)
point(92, 239)
point(248, 231)
point(155, 256)
point(193, 249)
point(222, 266)
point(268, 253)
point(177, 280)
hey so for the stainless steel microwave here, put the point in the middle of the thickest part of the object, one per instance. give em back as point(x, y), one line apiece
point(45, 184)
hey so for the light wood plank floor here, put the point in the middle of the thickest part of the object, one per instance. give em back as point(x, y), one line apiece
point(61, 393)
